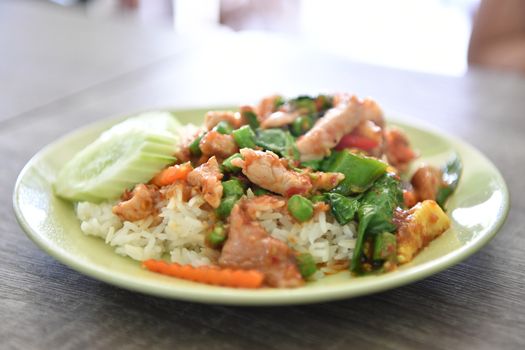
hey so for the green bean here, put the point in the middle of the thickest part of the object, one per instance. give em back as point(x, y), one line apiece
point(244, 136)
point(226, 206)
point(194, 146)
point(259, 191)
point(223, 127)
point(232, 187)
point(227, 165)
point(306, 264)
point(217, 236)
point(360, 171)
point(300, 208)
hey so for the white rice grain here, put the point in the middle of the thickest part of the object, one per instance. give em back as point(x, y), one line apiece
point(180, 228)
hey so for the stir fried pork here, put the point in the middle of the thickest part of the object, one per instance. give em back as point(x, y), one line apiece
point(207, 177)
point(249, 246)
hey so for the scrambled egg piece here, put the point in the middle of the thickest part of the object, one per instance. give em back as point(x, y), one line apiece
point(424, 222)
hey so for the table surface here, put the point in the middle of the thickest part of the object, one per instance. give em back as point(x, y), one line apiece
point(56, 75)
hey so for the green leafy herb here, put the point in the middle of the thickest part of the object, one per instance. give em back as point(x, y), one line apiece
point(451, 175)
point(278, 141)
point(343, 208)
point(375, 213)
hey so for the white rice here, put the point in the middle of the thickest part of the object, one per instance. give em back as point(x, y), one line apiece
point(181, 232)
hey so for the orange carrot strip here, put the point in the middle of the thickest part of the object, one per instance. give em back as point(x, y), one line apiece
point(172, 174)
point(208, 274)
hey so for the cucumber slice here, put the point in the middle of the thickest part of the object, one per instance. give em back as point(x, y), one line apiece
point(129, 153)
point(156, 120)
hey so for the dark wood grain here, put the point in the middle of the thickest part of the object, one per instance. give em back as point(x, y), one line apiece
point(477, 304)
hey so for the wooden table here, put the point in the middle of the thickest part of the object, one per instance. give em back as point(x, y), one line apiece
point(49, 87)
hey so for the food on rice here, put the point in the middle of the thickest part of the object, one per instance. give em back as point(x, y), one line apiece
point(274, 195)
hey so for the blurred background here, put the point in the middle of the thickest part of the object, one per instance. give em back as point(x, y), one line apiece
point(228, 51)
point(422, 35)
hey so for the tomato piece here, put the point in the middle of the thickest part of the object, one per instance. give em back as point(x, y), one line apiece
point(356, 141)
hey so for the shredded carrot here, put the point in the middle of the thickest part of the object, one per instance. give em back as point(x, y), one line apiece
point(172, 174)
point(208, 274)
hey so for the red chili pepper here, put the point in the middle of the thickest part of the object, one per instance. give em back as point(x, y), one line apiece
point(356, 141)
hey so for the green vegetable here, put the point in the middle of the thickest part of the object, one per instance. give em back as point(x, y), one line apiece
point(306, 264)
point(300, 208)
point(385, 246)
point(259, 191)
point(376, 212)
point(360, 171)
point(379, 204)
point(251, 118)
point(232, 190)
point(279, 101)
point(313, 164)
point(195, 150)
point(301, 125)
point(304, 103)
point(129, 153)
point(343, 208)
point(226, 206)
point(317, 198)
point(451, 175)
point(324, 102)
point(232, 187)
point(277, 141)
point(223, 127)
point(227, 165)
point(217, 236)
point(244, 136)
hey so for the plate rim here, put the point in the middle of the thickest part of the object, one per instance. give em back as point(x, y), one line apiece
point(222, 295)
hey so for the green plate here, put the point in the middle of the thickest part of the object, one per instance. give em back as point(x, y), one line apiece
point(477, 209)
